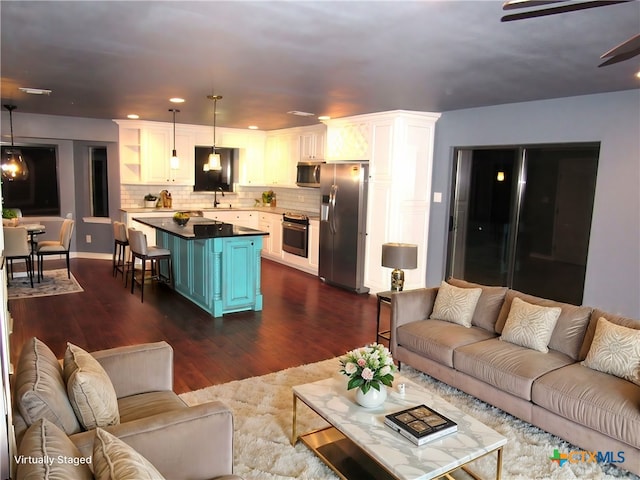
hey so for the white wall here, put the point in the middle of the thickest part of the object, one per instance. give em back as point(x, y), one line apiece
point(613, 265)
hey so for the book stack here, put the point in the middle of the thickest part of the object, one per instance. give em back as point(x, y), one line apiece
point(420, 424)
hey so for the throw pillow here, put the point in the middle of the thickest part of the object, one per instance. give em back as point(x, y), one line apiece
point(115, 460)
point(530, 325)
point(60, 457)
point(615, 350)
point(40, 390)
point(456, 305)
point(90, 390)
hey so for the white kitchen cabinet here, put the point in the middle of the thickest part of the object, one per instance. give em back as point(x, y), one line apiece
point(243, 218)
point(251, 147)
point(272, 245)
point(399, 147)
point(145, 153)
point(312, 143)
point(281, 157)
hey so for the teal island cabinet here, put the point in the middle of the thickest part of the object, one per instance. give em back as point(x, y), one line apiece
point(216, 265)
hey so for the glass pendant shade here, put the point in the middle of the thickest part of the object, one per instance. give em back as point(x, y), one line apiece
point(12, 165)
point(214, 162)
point(175, 161)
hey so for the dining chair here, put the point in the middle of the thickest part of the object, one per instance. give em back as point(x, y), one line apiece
point(56, 247)
point(120, 244)
point(140, 249)
point(16, 247)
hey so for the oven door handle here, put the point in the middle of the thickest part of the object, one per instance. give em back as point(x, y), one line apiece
point(294, 226)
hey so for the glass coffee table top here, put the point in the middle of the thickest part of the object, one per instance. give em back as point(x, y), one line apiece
point(364, 430)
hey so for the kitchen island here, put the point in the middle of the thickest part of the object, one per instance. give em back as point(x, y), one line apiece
point(216, 265)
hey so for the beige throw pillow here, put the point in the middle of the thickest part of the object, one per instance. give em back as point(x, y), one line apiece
point(90, 390)
point(45, 441)
point(115, 460)
point(456, 305)
point(615, 350)
point(530, 325)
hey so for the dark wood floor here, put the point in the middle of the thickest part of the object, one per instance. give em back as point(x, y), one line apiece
point(302, 321)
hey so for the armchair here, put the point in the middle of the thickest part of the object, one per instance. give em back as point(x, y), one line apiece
point(181, 442)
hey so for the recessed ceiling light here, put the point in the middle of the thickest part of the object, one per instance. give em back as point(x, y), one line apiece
point(300, 114)
point(176, 100)
point(253, 127)
point(35, 91)
point(324, 117)
point(133, 116)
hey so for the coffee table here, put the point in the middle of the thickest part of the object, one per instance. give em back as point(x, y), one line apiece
point(358, 445)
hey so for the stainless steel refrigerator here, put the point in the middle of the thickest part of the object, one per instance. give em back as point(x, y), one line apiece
point(343, 222)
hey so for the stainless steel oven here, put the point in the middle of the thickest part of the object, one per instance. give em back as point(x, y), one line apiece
point(295, 234)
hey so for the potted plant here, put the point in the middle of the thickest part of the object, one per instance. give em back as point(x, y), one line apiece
point(9, 217)
point(370, 369)
point(150, 200)
point(267, 197)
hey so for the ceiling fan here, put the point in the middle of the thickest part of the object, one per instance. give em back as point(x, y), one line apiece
point(541, 8)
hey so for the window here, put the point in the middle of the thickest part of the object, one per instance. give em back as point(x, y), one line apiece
point(99, 183)
point(213, 180)
point(38, 195)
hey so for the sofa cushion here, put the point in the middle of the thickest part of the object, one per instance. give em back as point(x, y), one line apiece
point(40, 390)
point(489, 303)
point(147, 404)
point(455, 304)
point(90, 390)
point(594, 399)
point(615, 350)
point(115, 460)
point(568, 335)
point(507, 366)
point(61, 459)
point(530, 325)
point(436, 339)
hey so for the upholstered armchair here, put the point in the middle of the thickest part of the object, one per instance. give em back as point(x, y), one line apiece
point(181, 442)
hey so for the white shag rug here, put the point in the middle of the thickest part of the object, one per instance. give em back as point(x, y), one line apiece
point(262, 409)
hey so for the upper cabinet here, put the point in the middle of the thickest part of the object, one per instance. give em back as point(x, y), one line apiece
point(281, 157)
point(312, 143)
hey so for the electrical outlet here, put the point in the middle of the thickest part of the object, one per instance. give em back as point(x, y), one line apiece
point(88, 238)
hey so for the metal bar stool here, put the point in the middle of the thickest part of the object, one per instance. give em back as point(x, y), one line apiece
point(120, 244)
point(139, 249)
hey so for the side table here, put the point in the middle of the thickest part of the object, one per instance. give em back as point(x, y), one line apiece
point(383, 297)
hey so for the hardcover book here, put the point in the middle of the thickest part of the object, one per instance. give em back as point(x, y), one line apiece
point(420, 424)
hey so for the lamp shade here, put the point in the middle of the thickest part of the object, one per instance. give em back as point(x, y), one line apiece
point(400, 255)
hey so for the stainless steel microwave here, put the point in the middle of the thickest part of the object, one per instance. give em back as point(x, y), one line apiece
point(308, 174)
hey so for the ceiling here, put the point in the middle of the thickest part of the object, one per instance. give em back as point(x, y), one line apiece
point(107, 59)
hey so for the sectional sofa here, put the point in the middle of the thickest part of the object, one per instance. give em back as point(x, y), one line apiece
point(573, 371)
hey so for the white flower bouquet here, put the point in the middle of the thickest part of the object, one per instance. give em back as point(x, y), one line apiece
point(368, 367)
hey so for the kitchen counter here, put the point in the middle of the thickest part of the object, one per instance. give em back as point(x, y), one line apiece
point(171, 211)
point(218, 269)
point(198, 227)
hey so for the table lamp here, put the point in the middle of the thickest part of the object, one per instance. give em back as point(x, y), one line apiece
point(399, 256)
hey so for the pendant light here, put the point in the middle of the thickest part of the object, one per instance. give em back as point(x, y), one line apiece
point(13, 165)
point(214, 158)
point(175, 161)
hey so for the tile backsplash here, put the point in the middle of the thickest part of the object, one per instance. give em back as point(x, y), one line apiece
point(183, 197)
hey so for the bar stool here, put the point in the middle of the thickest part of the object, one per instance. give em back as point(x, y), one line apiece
point(120, 244)
point(139, 249)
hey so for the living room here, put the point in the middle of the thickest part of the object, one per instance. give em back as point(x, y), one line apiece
point(612, 280)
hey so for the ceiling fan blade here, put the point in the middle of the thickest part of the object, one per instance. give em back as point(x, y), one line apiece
point(631, 44)
point(513, 4)
point(571, 7)
point(621, 57)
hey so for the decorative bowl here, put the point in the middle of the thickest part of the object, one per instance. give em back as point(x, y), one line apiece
point(181, 219)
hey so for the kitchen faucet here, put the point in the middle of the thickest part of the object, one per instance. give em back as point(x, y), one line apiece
point(215, 197)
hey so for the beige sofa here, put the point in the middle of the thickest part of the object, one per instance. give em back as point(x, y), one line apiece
point(181, 442)
point(593, 410)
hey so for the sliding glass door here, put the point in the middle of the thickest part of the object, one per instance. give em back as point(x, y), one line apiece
point(521, 217)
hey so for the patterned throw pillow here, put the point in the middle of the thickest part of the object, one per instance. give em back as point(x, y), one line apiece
point(456, 305)
point(615, 350)
point(90, 390)
point(530, 325)
point(114, 459)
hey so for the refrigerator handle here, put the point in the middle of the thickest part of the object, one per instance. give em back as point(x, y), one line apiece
point(332, 208)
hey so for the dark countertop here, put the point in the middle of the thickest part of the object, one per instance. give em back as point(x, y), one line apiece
point(171, 211)
point(209, 228)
